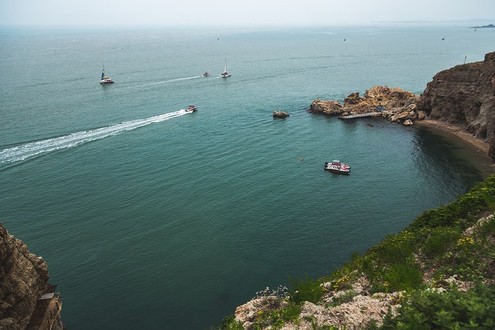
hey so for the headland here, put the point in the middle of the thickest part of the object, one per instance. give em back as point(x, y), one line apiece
point(432, 272)
point(488, 26)
point(460, 100)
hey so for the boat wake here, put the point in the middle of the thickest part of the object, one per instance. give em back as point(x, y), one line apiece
point(37, 148)
point(167, 81)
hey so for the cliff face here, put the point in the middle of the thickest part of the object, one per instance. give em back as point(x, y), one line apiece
point(465, 95)
point(23, 280)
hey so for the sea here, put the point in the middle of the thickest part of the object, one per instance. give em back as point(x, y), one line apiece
point(153, 218)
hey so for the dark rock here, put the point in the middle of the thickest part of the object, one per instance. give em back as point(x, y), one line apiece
point(280, 114)
point(352, 99)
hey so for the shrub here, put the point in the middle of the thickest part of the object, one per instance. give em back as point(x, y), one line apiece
point(403, 276)
point(395, 248)
point(439, 240)
point(229, 323)
point(276, 319)
point(463, 211)
point(453, 309)
point(488, 228)
point(306, 290)
point(290, 313)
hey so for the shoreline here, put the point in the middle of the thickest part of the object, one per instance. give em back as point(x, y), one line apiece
point(458, 131)
point(479, 149)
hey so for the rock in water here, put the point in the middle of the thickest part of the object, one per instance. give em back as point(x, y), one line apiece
point(280, 114)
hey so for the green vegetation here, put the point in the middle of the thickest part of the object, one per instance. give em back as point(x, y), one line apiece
point(439, 251)
point(229, 323)
point(453, 309)
point(277, 318)
point(305, 290)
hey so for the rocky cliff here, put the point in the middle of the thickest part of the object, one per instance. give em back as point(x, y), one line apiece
point(23, 281)
point(465, 96)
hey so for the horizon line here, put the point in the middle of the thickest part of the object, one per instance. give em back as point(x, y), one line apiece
point(248, 25)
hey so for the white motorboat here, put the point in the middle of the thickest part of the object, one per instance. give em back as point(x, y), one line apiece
point(338, 167)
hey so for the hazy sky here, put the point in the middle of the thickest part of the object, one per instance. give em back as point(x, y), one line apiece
point(247, 12)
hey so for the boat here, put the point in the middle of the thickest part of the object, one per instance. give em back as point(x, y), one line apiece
point(338, 167)
point(206, 74)
point(191, 108)
point(225, 73)
point(105, 80)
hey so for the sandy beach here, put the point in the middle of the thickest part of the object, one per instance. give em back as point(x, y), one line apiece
point(458, 131)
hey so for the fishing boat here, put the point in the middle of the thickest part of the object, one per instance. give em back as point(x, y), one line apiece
point(206, 74)
point(225, 73)
point(105, 80)
point(191, 108)
point(338, 167)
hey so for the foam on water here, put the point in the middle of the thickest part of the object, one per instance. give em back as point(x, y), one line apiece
point(36, 148)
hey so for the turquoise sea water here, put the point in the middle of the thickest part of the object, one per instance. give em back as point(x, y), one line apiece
point(151, 218)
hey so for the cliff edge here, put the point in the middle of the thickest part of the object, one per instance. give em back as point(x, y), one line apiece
point(465, 96)
point(438, 273)
point(27, 300)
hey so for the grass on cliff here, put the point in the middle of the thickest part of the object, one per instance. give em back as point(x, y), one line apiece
point(436, 243)
point(440, 245)
point(452, 309)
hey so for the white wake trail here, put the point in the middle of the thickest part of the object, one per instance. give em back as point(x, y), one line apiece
point(36, 148)
point(165, 81)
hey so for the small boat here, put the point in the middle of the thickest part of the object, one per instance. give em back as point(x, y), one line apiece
point(337, 167)
point(191, 108)
point(225, 73)
point(105, 80)
point(206, 74)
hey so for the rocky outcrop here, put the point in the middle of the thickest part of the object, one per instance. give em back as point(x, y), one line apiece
point(358, 313)
point(354, 308)
point(465, 96)
point(395, 104)
point(23, 280)
point(248, 313)
point(330, 108)
point(280, 114)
